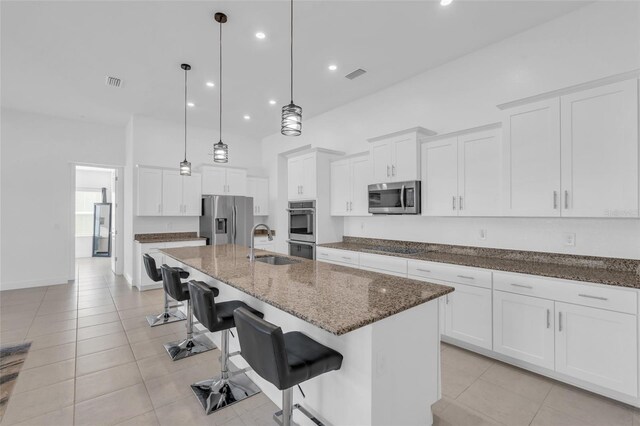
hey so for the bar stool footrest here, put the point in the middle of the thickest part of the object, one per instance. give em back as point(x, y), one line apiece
point(277, 416)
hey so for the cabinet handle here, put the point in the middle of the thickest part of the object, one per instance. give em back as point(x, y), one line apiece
point(460, 202)
point(347, 205)
point(453, 204)
point(521, 285)
point(346, 257)
point(423, 270)
point(446, 299)
point(159, 208)
point(592, 297)
point(566, 199)
point(555, 200)
point(466, 277)
point(324, 254)
point(393, 170)
point(258, 209)
point(559, 321)
point(548, 318)
point(388, 172)
point(350, 206)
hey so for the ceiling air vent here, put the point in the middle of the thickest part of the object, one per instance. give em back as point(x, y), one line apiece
point(355, 74)
point(112, 81)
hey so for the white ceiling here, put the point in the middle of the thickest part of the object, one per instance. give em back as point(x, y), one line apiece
point(55, 55)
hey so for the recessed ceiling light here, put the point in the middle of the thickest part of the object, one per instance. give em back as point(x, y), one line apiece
point(272, 102)
point(445, 2)
point(210, 84)
point(191, 104)
point(333, 67)
point(247, 117)
point(260, 35)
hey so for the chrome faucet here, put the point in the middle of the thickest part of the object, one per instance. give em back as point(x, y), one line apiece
point(252, 256)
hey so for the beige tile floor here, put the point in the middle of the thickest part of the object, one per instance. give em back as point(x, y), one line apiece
point(95, 361)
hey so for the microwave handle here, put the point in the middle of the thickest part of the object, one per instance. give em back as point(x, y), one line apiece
point(402, 197)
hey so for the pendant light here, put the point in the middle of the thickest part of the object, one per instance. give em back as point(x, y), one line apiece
point(185, 166)
point(291, 124)
point(220, 150)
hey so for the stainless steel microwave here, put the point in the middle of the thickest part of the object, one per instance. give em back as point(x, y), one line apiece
point(395, 198)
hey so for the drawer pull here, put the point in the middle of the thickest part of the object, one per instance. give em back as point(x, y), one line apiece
point(593, 297)
point(346, 257)
point(423, 270)
point(521, 285)
point(466, 277)
point(324, 254)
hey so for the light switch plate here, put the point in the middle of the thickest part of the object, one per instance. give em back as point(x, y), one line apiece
point(569, 239)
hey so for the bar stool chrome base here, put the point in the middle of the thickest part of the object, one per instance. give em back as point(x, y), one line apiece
point(218, 393)
point(172, 315)
point(188, 347)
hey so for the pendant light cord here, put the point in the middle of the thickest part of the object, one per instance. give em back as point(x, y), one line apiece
point(185, 115)
point(220, 81)
point(291, 51)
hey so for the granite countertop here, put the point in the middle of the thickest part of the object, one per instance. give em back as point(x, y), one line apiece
point(610, 271)
point(167, 237)
point(335, 298)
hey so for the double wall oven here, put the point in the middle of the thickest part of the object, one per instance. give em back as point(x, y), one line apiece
point(302, 229)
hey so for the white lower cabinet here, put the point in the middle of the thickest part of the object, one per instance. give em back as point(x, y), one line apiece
point(468, 315)
point(597, 346)
point(523, 328)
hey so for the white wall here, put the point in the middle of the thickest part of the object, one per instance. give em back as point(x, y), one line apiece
point(94, 179)
point(37, 194)
point(151, 142)
point(595, 41)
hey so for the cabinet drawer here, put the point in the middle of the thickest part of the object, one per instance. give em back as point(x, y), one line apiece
point(176, 244)
point(339, 256)
point(390, 264)
point(450, 273)
point(586, 294)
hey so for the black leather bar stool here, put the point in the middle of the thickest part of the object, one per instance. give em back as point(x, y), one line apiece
point(170, 314)
point(230, 386)
point(193, 344)
point(286, 360)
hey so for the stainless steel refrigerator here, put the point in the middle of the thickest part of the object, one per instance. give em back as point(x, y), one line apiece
point(226, 219)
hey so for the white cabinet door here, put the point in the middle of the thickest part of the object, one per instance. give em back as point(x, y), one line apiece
point(381, 161)
point(479, 174)
point(523, 328)
point(531, 159)
point(440, 178)
point(405, 159)
point(171, 193)
point(597, 346)
point(236, 182)
point(340, 188)
point(309, 190)
point(360, 180)
point(468, 315)
point(258, 188)
point(214, 180)
point(600, 151)
point(295, 178)
point(149, 192)
point(192, 194)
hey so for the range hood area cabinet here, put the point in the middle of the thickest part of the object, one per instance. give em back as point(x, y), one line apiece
point(574, 154)
point(164, 192)
point(395, 157)
point(224, 181)
point(461, 173)
point(350, 178)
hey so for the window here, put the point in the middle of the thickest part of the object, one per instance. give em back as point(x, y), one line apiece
point(85, 199)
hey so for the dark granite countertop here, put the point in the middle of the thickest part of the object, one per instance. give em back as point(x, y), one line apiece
point(335, 298)
point(167, 237)
point(601, 270)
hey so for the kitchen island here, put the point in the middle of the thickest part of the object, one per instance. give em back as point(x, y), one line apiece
point(385, 327)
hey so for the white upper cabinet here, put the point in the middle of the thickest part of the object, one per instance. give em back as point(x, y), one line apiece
point(224, 181)
point(600, 151)
point(531, 159)
point(192, 194)
point(302, 177)
point(149, 192)
point(394, 158)
point(462, 175)
point(258, 188)
point(440, 177)
point(349, 180)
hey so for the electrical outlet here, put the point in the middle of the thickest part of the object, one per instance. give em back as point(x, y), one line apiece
point(569, 239)
point(482, 235)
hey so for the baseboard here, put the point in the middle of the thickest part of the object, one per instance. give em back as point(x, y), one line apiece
point(129, 279)
point(16, 285)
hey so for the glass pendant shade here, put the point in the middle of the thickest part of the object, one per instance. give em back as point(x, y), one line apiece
point(220, 152)
point(185, 168)
point(291, 124)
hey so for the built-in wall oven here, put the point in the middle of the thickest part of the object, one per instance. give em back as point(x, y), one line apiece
point(302, 229)
point(395, 198)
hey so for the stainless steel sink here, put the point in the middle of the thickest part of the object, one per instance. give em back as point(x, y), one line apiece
point(276, 260)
